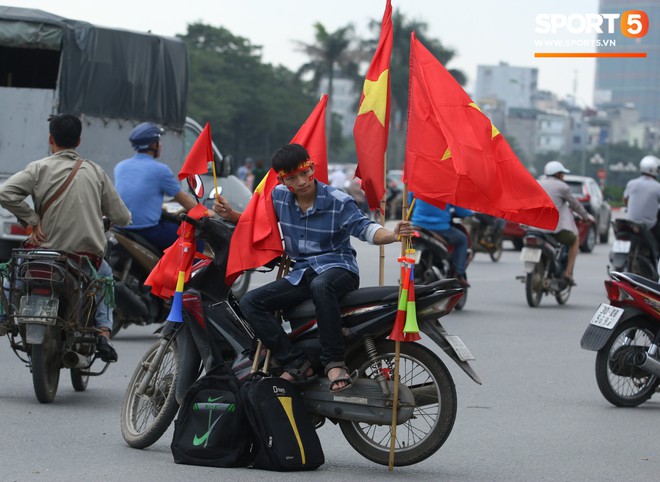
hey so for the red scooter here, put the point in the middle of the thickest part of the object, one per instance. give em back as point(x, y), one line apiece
point(626, 335)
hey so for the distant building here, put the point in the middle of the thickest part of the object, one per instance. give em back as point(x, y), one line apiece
point(516, 86)
point(631, 80)
point(344, 101)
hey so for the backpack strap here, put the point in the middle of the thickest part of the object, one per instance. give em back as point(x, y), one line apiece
point(62, 188)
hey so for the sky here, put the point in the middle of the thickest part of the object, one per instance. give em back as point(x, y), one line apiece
point(482, 32)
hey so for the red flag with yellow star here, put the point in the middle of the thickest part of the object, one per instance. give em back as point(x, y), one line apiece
point(454, 154)
point(373, 119)
point(256, 239)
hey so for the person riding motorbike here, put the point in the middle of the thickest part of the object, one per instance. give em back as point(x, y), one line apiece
point(566, 231)
point(438, 220)
point(317, 221)
point(75, 220)
point(642, 198)
point(141, 181)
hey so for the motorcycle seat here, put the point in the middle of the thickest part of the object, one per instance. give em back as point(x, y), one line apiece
point(366, 296)
point(549, 237)
point(138, 239)
point(638, 280)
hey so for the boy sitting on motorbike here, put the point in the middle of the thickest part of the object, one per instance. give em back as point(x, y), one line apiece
point(317, 222)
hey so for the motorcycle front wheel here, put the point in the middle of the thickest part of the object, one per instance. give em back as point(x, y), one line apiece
point(496, 253)
point(620, 381)
point(79, 379)
point(432, 420)
point(146, 417)
point(45, 364)
point(534, 284)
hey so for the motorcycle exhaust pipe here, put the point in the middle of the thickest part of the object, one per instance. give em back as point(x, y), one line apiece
point(71, 359)
point(647, 363)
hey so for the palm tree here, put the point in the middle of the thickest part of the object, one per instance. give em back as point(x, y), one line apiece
point(331, 54)
point(399, 67)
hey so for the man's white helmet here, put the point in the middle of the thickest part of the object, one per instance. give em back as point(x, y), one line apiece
point(554, 167)
point(649, 165)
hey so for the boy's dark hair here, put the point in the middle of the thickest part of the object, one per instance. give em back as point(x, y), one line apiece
point(65, 129)
point(288, 157)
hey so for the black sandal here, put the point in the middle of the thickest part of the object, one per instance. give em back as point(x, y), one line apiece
point(299, 375)
point(344, 377)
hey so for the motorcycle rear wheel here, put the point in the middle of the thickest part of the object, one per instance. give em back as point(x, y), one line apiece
point(46, 366)
point(145, 418)
point(428, 428)
point(534, 284)
point(621, 383)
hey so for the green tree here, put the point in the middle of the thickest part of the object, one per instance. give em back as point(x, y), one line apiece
point(332, 53)
point(253, 107)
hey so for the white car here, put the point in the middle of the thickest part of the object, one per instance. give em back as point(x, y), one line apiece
point(11, 231)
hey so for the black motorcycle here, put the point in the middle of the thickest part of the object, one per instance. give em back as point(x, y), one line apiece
point(634, 249)
point(132, 258)
point(214, 330)
point(51, 305)
point(433, 258)
point(545, 261)
point(486, 235)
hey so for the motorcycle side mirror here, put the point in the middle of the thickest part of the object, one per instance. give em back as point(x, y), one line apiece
point(196, 185)
point(216, 191)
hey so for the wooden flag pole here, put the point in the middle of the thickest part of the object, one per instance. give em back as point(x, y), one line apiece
point(405, 244)
point(215, 180)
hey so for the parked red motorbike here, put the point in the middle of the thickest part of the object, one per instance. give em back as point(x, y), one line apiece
point(626, 335)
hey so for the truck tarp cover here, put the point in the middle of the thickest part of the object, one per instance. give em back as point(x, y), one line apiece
point(106, 72)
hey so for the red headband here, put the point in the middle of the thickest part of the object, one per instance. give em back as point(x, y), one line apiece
point(306, 164)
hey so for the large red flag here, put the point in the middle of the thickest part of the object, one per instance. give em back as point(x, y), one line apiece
point(455, 154)
point(201, 153)
point(256, 239)
point(373, 119)
point(163, 278)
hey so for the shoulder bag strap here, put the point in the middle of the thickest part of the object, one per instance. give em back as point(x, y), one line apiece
point(62, 188)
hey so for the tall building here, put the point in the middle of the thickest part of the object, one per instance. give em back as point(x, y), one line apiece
point(621, 81)
point(516, 86)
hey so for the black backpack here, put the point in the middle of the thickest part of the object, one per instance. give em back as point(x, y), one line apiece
point(283, 435)
point(211, 428)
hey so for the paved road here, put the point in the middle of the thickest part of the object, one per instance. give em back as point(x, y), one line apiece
point(537, 416)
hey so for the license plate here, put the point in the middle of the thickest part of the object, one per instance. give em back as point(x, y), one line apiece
point(530, 255)
point(460, 348)
point(38, 309)
point(606, 316)
point(620, 246)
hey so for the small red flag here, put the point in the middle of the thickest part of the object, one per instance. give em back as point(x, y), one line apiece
point(373, 119)
point(454, 154)
point(311, 136)
point(199, 156)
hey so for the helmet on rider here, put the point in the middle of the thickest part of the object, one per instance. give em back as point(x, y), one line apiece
point(553, 168)
point(649, 165)
point(145, 134)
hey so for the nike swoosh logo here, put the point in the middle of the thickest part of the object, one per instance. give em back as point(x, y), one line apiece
point(211, 399)
point(197, 441)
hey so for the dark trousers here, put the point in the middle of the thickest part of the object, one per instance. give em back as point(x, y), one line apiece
point(324, 289)
point(164, 234)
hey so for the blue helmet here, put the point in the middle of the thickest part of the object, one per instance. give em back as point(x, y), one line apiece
point(145, 134)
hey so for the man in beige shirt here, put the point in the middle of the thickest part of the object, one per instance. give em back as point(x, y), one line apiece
point(566, 231)
point(74, 221)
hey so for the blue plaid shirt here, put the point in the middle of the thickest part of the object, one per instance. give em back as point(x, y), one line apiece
point(320, 238)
